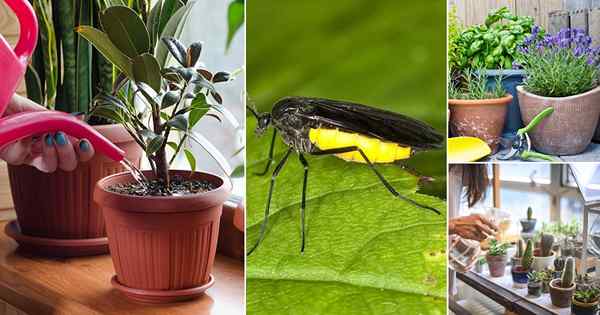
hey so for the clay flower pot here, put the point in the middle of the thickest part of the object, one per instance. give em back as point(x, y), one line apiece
point(497, 265)
point(542, 263)
point(483, 119)
point(55, 212)
point(580, 308)
point(561, 297)
point(163, 248)
point(534, 288)
point(570, 128)
point(519, 277)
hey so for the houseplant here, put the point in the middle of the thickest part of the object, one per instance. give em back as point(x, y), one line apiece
point(559, 266)
point(65, 74)
point(543, 257)
point(475, 110)
point(585, 301)
point(561, 290)
point(519, 272)
point(496, 258)
point(561, 72)
point(546, 276)
point(516, 259)
point(534, 284)
point(163, 229)
point(528, 224)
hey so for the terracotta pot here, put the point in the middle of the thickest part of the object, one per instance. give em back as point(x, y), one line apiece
point(163, 248)
point(570, 128)
point(497, 265)
point(483, 119)
point(55, 212)
point(580, 308)
point(561, 297)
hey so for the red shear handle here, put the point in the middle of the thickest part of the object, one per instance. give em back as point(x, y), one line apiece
point(28, 27)
point(22, 125)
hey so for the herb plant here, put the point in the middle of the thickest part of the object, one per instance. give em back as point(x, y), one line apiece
point(497, 249)
point(151, 101)
point(472, 85)
point(559, 65)
point(492, 45)
point(455, 51)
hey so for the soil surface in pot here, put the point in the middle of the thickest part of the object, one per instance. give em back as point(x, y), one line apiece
point(178, 186)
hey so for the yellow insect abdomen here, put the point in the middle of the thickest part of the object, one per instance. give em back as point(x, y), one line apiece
point(376, 150)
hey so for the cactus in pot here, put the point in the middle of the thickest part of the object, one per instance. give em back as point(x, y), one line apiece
point(528, 224)
point(519, 272)
point(559, 265)
point(543, 256)
point(561, 290)
point(516, 259)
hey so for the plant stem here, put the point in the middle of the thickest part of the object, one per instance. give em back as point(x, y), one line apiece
point(178, 149)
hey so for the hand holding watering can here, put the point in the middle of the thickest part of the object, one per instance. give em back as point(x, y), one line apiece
point(29, 134)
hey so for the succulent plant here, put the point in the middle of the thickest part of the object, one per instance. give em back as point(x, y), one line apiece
point(536, 276)
point(529, 213)
point(587, 295)
point(497, 249)
point(527, 256)
point(547, 241)
point(559, 263)
point(519, 252)
point(568, 275)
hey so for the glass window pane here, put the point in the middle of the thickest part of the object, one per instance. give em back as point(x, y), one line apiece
point(523, 172)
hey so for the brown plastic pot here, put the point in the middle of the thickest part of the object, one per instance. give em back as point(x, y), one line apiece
point(561, 297)
point(55, 212)
point(496, 264)
point(483, 119)
point(163, 248)
point(570, 128)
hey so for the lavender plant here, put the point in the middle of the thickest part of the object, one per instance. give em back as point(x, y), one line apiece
point(561, 64)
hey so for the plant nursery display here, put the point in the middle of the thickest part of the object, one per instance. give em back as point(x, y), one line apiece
point(496, 258)
point(318, 126)
point(562, 289)
point(475, 110)
point(562, 73)
point(520, 271)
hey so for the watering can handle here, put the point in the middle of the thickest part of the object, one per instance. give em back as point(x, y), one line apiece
point(536, 120)
point(28, 27)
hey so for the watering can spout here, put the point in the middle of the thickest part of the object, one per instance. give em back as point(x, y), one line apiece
point(28, 27)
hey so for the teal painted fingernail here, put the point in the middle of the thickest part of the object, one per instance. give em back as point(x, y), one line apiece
point(49, 139)
point(84, 146)
point(60, 138)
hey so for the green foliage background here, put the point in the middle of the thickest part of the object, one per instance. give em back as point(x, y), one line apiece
point(367, 252)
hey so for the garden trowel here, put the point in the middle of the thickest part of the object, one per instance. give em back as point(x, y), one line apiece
point(519, 145)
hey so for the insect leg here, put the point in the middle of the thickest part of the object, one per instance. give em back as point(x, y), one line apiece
point(265, 221)
point(270, 159)
point(385, 183)
point(303, 205)
point(414, 172)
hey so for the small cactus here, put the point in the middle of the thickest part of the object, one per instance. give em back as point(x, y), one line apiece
point(527, 256)
point(547, 241)
point(568, 274)
point(559, 263)
point(519, 252)
point(529, 213)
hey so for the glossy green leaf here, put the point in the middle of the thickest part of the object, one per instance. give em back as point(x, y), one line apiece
point(235, 19)
point(179, 122)
point(199, 108)
point(147, 70)
point(154, 144)
point(366, 251)
point(101, 41)
point(126, 30)
point(176, 49)
point(238, 172)
point(189, 156)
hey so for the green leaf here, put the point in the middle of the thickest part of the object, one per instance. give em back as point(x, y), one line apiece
point(172, 145)
point(189, 156)
point(179, 122)
point(238, 171)
point(126, 30)
point(101, 41)
point(154, 144)
point(147, 70)
point(235, 19)
point(366, 251)
point(176, 49)
point(199, 108)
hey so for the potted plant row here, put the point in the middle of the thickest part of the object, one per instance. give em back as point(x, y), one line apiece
point(562, 73)
point(475, 110)
point(163, 229)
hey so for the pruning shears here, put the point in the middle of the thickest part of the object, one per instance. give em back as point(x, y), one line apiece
point(520, 144)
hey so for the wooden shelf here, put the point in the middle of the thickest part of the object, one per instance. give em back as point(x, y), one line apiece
point(39, 286)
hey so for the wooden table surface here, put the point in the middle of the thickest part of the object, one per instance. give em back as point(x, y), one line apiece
point(39, 286)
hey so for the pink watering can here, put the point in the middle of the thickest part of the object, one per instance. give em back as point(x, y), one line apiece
point(14, 64)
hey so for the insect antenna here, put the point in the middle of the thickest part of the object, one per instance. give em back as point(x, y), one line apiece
point(253, 111)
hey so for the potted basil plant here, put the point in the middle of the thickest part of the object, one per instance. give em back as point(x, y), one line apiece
point(162, 224)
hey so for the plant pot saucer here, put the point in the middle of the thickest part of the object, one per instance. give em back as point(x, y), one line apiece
point(55, 247)
point(161, 296)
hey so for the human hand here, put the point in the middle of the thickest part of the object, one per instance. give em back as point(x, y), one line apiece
point(47, 152)
point(473, 227)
